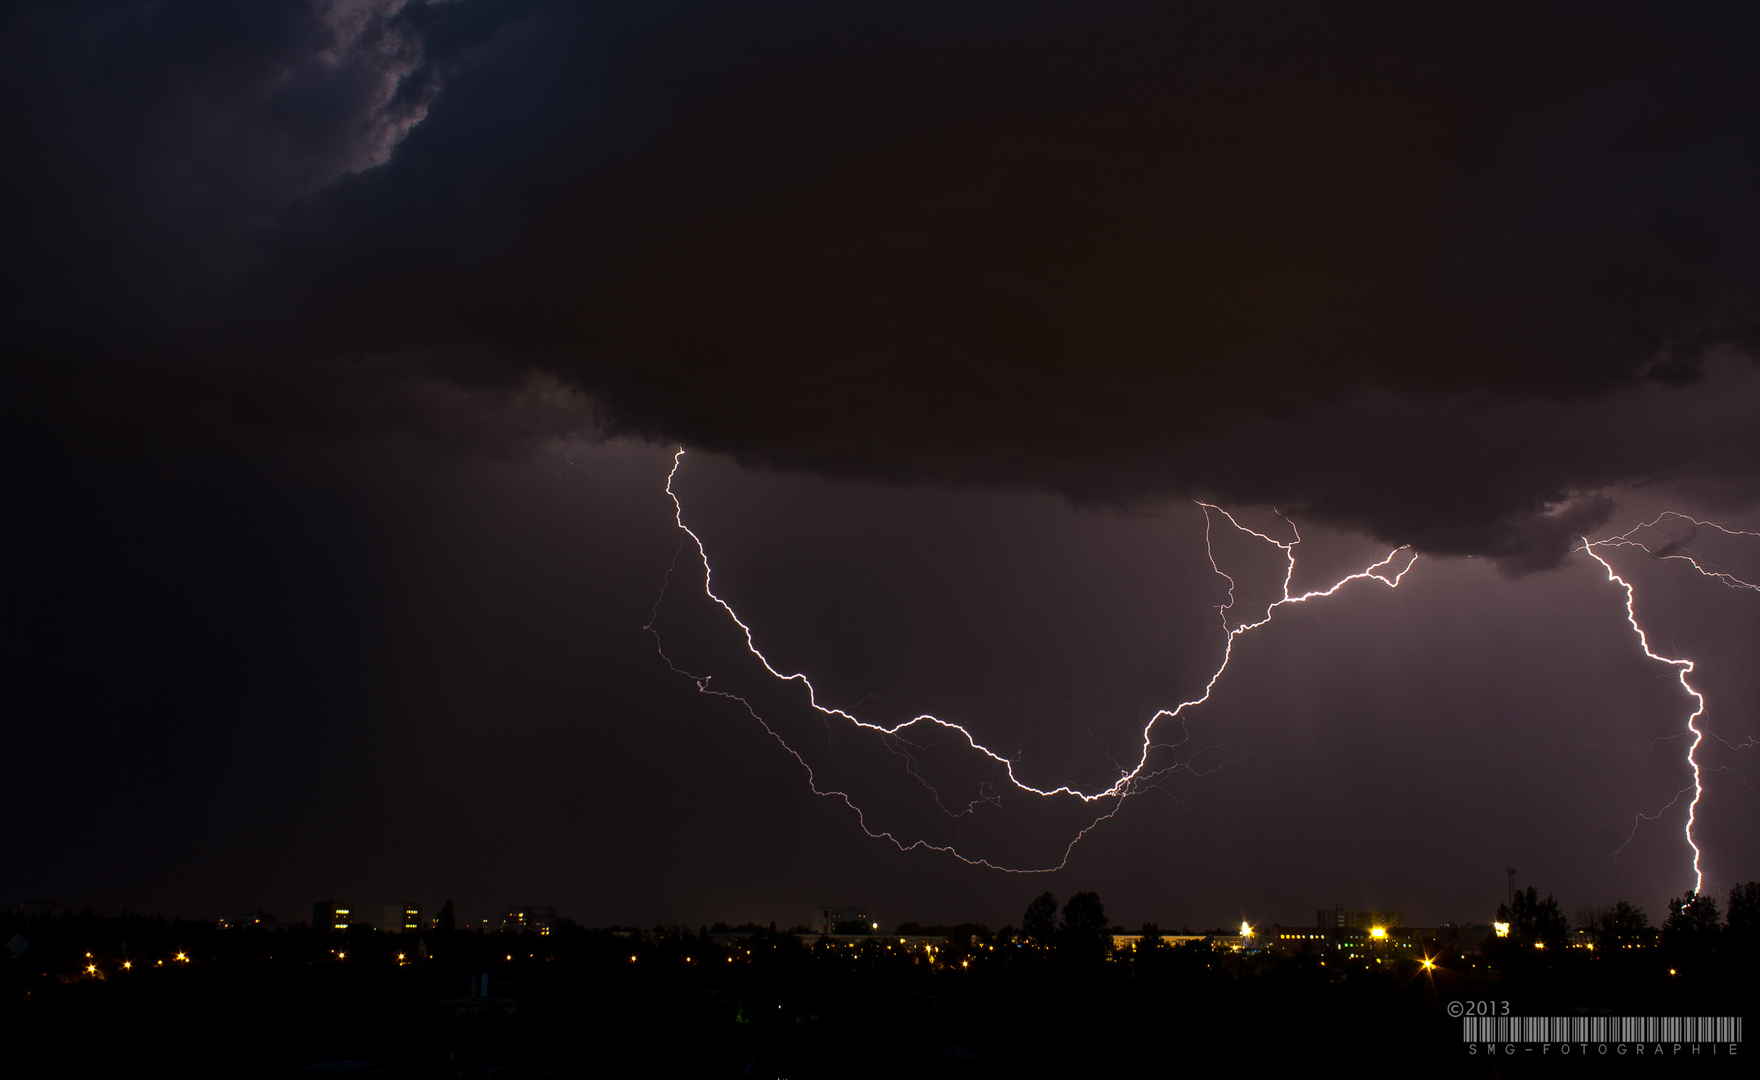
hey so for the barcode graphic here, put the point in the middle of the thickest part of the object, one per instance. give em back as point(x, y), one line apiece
point(1602, 1029)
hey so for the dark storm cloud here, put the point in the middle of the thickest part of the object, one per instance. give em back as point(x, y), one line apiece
point(1446, 274)
point(146, 139)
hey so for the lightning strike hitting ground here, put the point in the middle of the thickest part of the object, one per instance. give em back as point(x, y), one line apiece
point(1672, 551)
point(1130, 781)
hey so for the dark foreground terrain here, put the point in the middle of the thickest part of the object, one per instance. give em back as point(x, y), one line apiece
point(577, 1002)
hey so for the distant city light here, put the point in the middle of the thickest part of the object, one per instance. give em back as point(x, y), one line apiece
point(1501, 928)
point(1378, 932)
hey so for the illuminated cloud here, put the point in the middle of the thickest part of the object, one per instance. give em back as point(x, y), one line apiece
point(1415, 274)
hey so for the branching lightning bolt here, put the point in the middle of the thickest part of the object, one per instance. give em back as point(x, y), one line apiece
point(1672, 551)
point(1129, 782)
point(1142, 777)
point(1683, 667)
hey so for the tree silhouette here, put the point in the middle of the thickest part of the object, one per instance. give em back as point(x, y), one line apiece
point(1622, 925)
point(1151, 938)
point(1533, 921)
point(1744, 917)
point(1040, 922)
point(1084, 932)
point(1692, 925)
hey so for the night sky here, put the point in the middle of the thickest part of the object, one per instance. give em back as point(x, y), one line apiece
point(348, 345)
